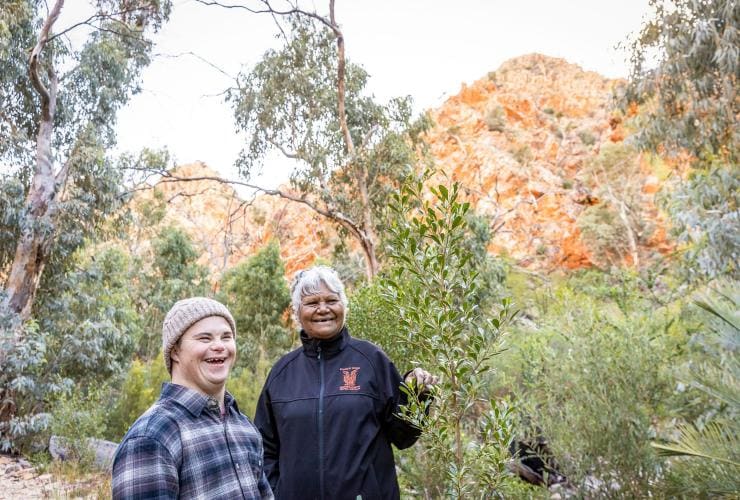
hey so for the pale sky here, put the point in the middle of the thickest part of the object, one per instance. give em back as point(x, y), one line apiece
point(423, 48)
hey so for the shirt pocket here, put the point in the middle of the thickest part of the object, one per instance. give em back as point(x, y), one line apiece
point(255, 463)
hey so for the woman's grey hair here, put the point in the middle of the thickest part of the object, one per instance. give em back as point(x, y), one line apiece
point(309, 282)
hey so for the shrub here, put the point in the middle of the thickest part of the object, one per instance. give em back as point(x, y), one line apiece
point(587, 138)
point(256, 293)
point(522, 154)
point(77, 416)
point(23, 386)
point(709, 447)
point(139, 390)
point(496, 119)
point(594, 375)
point(372, 318)
point(431, 288)
point(617, 229)
point(81, 339)
point(246, 385)
point(174, 275)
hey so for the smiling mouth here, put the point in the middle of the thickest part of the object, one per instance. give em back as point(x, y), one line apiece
point(216, 361)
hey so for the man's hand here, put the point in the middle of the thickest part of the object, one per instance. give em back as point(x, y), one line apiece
point(421, 380)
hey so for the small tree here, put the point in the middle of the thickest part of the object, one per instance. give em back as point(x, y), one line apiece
point(431, 286)
point(257, 295)
point(84, 337)
point(175, 274)
point(690, 103)
point(309, 102)
point(617, 228)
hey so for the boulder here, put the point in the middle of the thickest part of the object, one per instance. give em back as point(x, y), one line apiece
point(104, 451)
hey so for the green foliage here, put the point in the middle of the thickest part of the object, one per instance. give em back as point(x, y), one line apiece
point(138, 391)
point(91, 334)
point(246, 385)
point(691, 104)
point(603, 234)
point(710, 445)
point(490, 270)
point(97, 80)
point(25, 385)
point(83, 339)
point(593, 371)
point(431, 287)
point(76, 417)
point(372, 318)
point(692, 92)
point(705, 210)
point(288, 102)
point(174, 275)
point(257, 294)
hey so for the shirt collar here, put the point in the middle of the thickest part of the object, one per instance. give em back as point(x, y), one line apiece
point(329, 347)
point(194, 401)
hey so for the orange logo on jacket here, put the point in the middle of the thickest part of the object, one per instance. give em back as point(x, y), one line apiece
point(349, 377)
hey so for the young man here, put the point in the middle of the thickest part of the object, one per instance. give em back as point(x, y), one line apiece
point(193, 442)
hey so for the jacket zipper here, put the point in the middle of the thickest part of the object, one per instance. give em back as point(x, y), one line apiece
point(321, 423)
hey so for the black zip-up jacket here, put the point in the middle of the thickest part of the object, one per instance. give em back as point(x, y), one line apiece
point(327, 418)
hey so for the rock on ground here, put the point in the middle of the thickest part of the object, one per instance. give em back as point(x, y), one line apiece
point(20, 480)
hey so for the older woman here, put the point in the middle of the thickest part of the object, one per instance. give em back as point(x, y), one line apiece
point(327, 412)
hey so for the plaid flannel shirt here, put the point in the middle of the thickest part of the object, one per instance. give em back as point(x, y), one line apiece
point(183, 447)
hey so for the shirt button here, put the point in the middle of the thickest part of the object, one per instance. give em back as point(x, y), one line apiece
point(237, 466)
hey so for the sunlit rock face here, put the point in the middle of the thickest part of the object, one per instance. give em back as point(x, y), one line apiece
point(520, 140)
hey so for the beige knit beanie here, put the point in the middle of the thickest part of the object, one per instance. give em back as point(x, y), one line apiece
point(184, 314)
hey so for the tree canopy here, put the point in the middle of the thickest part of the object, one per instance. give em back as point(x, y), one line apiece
point(685, 73)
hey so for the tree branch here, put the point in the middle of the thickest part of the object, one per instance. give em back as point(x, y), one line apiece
point(286, 153)
point(200, 58)
point(33, 63)
point(341, 111)
point(270, 10)
point(87, 21)
point(328, 211)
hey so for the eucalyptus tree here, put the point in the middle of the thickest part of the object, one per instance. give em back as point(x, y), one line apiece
point(58, 109)
point(58, 104)
point(307, 101)
point(690, 104)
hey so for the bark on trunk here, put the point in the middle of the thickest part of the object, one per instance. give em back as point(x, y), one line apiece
point(32, 250)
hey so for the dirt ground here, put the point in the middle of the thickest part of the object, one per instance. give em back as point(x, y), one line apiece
point(20, 480)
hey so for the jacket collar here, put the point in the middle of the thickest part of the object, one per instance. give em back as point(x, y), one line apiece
point(194, 401)
point(329, 347)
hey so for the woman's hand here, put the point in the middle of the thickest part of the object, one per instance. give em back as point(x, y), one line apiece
point(421, 380)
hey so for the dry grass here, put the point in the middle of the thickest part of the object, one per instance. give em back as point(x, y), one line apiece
point(79, 481)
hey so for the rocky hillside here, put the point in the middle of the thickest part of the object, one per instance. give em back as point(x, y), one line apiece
point(227, 228)
point(525, 141)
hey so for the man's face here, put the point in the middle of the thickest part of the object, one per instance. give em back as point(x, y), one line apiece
point(204, 355)
point(322, 314)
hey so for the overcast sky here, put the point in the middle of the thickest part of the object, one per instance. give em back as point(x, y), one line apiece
point(422, 48)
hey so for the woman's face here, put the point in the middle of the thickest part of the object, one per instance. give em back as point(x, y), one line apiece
point(322, 314)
